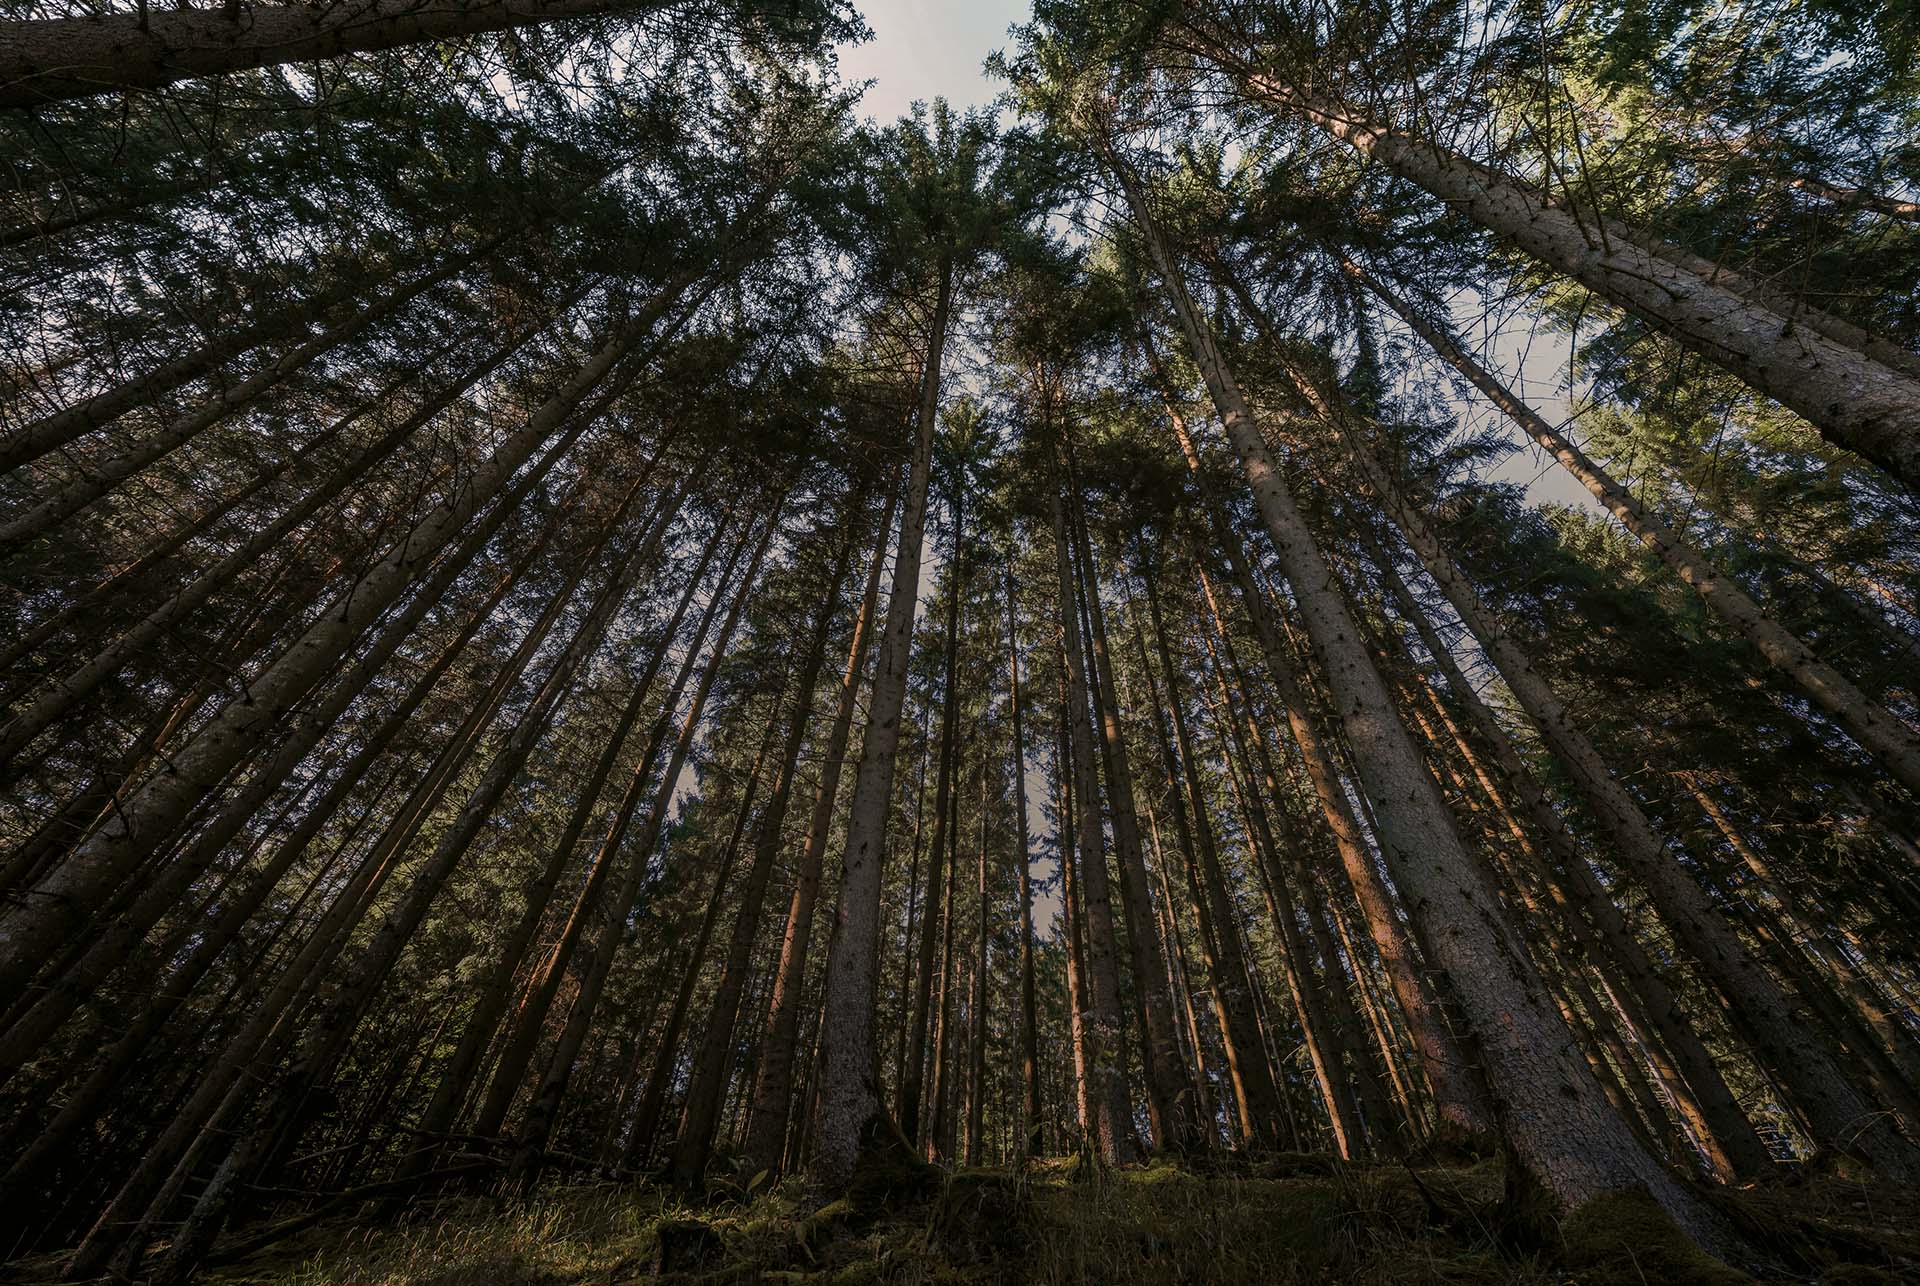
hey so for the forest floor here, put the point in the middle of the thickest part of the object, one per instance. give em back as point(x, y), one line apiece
point(1287, 1219)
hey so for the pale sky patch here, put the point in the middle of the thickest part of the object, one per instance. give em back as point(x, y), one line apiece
point(927, 49)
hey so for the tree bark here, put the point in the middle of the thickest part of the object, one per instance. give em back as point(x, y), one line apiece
point(773, 1090)
point(850, 1104)
point(1568, 1140)
point(710, 1069)
point(1878, 730)
point(51, 59)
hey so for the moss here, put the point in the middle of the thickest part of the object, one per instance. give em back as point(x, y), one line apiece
point(1626, 1239)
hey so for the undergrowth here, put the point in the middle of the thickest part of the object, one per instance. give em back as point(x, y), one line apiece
point(1287, 1220)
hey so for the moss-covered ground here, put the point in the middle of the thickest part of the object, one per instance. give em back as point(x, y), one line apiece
point(1281, 1220)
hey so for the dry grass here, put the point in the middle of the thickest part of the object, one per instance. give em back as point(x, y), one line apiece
point(1286, 1221)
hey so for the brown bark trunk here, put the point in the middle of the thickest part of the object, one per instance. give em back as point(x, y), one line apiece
point(50, 59)
point(710, 1069)
point(1112, 1125)
point(1569, 1140)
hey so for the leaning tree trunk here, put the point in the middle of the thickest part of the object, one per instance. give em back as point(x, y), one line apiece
point(51, 59)
point(1726, 1135)
point(68, 896)
point(537, 1126)
point(1569, 1141)
point(849, 1102)
point(100, 477)
point(349, 990)
point(1459, 1092)
point(711, 1068)
point(1857, 403)
point(1837, 1113)
point(653, 1099)
point(1882, 733)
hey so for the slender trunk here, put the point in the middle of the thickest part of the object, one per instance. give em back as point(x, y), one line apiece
point(102, 476)
point(710, 1069)
point(1106, 1032)
point(1873, 726)
point(1175, 1127)
point(850, 1104)
point(490, 1000)
point(977, 1042)
point(58, 698)
point(350, 989)
point(1255, 1094)
point(1460, 1095)
point(537, 1126)
point(653, 1099)
point(1031, 1138)
point(773, 1091)
point(1569, 1141)
point(57, 429)
point(1076, 938)
point(914, 1071)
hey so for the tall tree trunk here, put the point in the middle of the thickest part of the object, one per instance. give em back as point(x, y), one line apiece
point(490, 1001)
point(914, 1071)
point(1172, 1114)
point(58, 698)
point(850, 1106)
point(1460, 1095)
point(1031, 1135)
point(50, 59)
point(1857, 403)
point(710, 1068)
point(653, 1100)
point(102, 476)
point(1882, 733)
point(1064, 842)
point(773, 1091)
point(350, 989)
point(1112, 1125)
point(1569, 1141)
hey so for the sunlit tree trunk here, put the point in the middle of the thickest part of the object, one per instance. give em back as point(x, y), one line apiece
point(1569, 1141)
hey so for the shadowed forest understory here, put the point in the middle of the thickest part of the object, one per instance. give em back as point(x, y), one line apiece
point(1290, 655)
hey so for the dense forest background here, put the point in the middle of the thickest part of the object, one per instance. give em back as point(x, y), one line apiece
point(1334, 578)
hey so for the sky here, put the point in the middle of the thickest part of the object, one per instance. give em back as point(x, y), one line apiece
point(925, 49)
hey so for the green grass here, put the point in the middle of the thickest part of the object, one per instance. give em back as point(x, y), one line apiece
point(1288, 1220)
